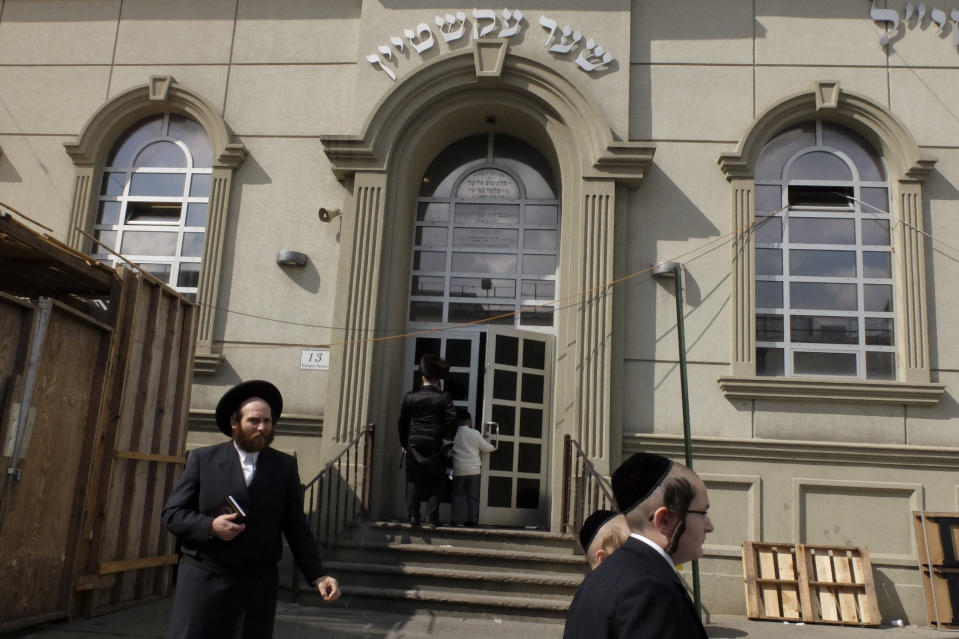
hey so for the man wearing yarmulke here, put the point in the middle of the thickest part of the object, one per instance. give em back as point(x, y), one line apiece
point(635, 593)
point(603, 533)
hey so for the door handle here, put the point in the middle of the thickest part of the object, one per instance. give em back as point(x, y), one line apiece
point(490, 429)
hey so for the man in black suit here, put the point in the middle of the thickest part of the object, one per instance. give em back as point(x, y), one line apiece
point(427, 420)
point(635, 593)
point(227, 579)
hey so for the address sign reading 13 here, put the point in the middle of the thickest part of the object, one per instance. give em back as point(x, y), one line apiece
point(453, 27)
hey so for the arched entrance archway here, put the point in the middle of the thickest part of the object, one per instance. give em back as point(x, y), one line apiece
point(432, 108)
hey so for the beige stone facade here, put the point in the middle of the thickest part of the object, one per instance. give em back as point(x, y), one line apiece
point(655, 153)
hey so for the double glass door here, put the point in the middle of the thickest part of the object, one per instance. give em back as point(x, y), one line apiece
point(503, 376)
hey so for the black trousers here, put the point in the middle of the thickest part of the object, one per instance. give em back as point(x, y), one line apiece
point(466, 494)
point(428, 490)
point(210, 605)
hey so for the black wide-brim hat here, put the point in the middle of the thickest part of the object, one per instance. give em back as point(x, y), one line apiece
point(234, 398)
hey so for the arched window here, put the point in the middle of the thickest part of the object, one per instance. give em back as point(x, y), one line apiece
point(824, 268)
point(486, 236)
point(153, 200)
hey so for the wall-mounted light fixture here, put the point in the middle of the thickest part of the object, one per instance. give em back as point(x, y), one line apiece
point(291, 258)
point(328, 215)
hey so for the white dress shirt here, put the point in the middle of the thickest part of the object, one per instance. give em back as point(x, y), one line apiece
point(247, 462)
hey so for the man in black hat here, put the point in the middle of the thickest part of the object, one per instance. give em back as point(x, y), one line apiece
point(635, 593)
point(427, 418)
point(227, 579)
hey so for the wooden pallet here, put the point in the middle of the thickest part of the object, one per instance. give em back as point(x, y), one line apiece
point(812, 584)
point(937, 535)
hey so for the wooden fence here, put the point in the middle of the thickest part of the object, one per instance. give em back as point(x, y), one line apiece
point(94, 416)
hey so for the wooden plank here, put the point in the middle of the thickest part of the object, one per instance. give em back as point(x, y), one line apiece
point(85, 583)
point(790, 586)
point(769, 593)
point(166, 351)
point(827, 596)
point(803, 566)
point(749, 577)
point(868, 604)
point(150, 457)
point(848, 608)
point(127, 565)
point(123, 306)
point(129, 499)
point(39, 529)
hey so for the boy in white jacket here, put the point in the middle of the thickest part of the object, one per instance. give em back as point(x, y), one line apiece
point(467, 447)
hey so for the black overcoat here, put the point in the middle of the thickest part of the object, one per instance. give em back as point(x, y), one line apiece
point(427, 417)
point(633, 594)
point(219, 581)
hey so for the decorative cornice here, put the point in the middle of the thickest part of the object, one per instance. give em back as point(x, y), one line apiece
point(161, 94)
point(349, 154)
point(440, 87)
point(232, 155)
point(204, 420)
point(839, 390)
point(796, 451)
point(626, 162)
point(206, 363)
point(827, 100)
point(921, 170)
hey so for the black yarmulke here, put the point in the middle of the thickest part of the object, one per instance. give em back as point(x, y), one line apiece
point(637, 477)
point(592, 525)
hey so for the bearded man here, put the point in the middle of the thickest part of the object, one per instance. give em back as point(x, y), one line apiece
point(228, 511)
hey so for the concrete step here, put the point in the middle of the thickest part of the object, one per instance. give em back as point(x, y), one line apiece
point(464, 604)
point(476, 537)
point(479, 571)
point(535, 584)
point(464, 557)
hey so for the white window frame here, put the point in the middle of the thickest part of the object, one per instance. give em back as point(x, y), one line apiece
point(178, 226)
point(518, 302)
point(854, 211)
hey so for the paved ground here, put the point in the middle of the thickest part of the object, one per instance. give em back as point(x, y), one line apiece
point(301, 622)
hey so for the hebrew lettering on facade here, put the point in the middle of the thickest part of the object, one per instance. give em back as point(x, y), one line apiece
point(885, 15)
point(376, 61)
point(507, 30)
point(593, 56)
point(424, 43)
point(448, 28)
point(483, 14)
point(398, 43)
point(567, 39)
point(939, 17)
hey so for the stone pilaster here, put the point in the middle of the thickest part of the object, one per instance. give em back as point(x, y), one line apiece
point(912, 318)
point(594, 357)
point(743, 278)
point(361, 249)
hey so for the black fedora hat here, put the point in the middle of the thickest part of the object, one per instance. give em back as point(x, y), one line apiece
point(234, 398)
point(433, 367)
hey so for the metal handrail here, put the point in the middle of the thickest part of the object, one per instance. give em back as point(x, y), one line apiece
point(340, 494)
point(584, 489)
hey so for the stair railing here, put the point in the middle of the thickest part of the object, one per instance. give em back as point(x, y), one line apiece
point(584, 489)
point(340, 493)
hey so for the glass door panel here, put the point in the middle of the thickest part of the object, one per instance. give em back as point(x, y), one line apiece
point(516, 397)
